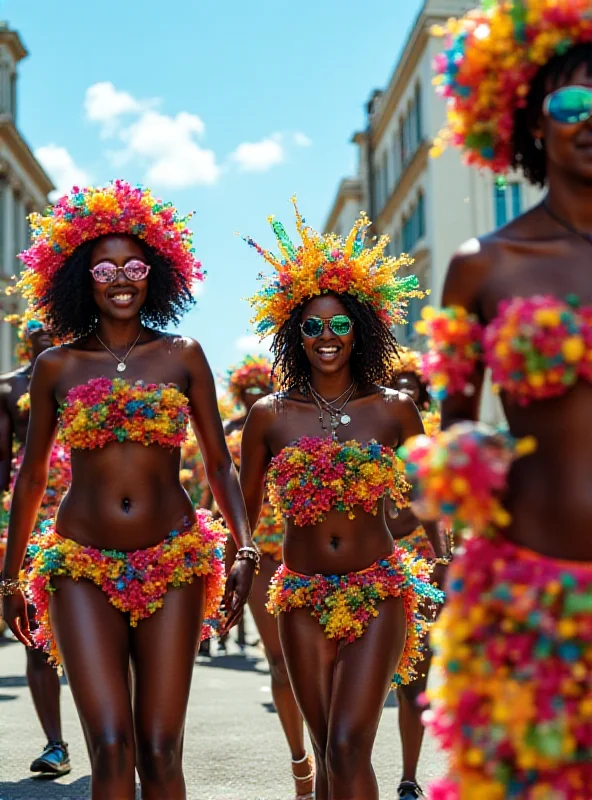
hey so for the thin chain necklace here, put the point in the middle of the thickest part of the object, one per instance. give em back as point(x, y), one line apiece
point(121, 365)
point(336, 415)
point(587, 237)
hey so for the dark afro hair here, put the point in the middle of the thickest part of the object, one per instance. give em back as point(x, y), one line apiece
point(551, 76)
point(375, 346)
point(71, 309)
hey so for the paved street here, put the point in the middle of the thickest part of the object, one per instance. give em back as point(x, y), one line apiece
point(234, 748)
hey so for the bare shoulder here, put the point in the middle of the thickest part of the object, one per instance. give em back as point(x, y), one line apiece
point(399, 405)
point(52, 361)
point(8, 378)
point(264, 413)
point(468, 271)
point(188, 350)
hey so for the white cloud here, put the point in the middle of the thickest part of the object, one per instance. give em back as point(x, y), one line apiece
point(169, 149)
point(301, 139)
point(61, 168)
point(105, 104)
point(259, 156)
point(250, 343)
point(198, 288)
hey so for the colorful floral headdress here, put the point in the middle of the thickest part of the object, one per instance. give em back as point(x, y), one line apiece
point(326, 263)
point(252, 371)
point(88, 213)
point(491, 56)
point(226, 406)
point(27, 326)
point(406, 360)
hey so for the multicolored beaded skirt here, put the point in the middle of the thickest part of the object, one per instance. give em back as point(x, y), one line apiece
point(345, 604)
point(419, 542)
point(514, 711)
point(135, 582)
point(269, 533)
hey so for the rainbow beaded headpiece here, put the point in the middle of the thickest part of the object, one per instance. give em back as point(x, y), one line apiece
point(27, 326)
point(252, 371)
point(88, 213)
point(326, 263)
point(491, 56)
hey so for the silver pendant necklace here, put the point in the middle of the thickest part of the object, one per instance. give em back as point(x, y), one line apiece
point(121, 365)
point(336, 414)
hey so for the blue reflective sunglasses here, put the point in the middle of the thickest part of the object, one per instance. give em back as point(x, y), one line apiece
point(569, 105)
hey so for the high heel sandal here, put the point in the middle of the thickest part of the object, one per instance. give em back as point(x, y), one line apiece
point(309, 777)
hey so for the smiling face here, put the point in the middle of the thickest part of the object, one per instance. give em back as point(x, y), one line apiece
point(121, 299)
point(40, 340)
point(327, 353)
point(568, 147)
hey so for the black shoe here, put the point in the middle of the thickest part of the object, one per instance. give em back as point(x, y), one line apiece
point(409, 790)
point(54, 760)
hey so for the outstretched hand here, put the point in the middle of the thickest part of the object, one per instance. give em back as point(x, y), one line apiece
point(238, 588)
point(14, 613)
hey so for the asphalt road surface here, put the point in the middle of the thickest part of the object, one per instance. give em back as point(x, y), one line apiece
point(234, 748)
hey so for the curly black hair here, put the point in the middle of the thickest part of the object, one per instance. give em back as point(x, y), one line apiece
point(375, 345)
point(555, 72)
point(72, 312)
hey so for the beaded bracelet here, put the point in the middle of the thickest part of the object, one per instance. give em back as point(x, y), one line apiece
point(444, 560)
point(249, 554)
point(9, 586)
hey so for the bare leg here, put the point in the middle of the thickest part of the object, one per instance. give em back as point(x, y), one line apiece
point(93, 638)
point(361, 682)
point(310, 660)
point(163, 654)
point(44, 685)
point(410, 724)
point(283, 696)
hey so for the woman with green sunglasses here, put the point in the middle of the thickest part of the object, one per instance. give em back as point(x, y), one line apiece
point(346, 597)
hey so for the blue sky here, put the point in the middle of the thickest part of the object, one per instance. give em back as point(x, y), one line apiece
point(226, 109)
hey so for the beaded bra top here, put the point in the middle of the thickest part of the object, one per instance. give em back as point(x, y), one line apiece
point(313, 475)
point(536, 347)
point(103, 411)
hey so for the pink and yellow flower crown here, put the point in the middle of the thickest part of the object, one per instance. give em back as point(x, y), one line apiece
point(491, 56)
point(326, 263)
point(252, 371)
point(407, 360)
point(88, 213)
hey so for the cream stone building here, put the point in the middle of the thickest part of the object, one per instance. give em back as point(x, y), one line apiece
point(24, 186)
point(427, 206)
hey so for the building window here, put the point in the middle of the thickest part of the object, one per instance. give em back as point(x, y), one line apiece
point(396, 158)
point(16, 232)
point(418, 116)
point(508, 202)
point(421, 216)
point(2, 223)
point(516, 190)
point(13, 96)
point(385, 177)
point(402, 144)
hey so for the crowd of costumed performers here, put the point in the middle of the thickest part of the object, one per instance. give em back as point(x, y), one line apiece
point(514, 642)
point(106, 269)
point(352, 605)
point(335, 457)
point(33, 338)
